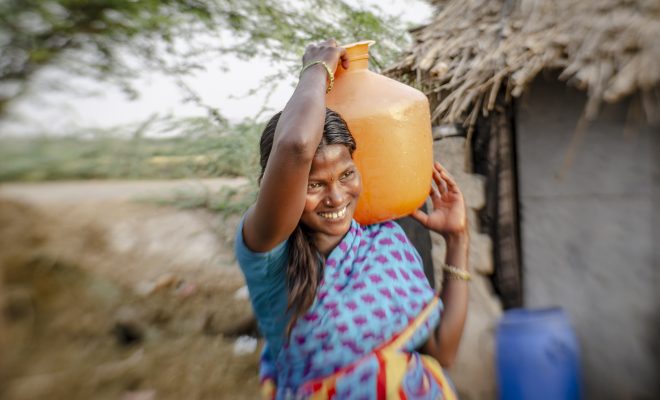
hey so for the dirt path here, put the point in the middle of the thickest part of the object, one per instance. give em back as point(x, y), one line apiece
point(108, 297)
point(122, 213)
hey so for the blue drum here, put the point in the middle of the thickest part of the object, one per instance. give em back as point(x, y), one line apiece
point(537, 356)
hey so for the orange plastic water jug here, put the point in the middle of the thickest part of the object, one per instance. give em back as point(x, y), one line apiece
point(391, 124)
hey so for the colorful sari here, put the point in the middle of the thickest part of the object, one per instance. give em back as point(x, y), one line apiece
point(373, 306)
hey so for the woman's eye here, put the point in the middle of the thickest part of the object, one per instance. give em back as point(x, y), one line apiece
point(314, 185)
point(347, 174)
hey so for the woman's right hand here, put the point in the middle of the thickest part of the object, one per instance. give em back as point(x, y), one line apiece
point(328, 52)
point(448, 217)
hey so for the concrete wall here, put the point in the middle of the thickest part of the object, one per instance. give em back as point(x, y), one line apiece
point(590, 238)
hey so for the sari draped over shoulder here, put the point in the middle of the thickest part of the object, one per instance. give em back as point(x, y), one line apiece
point(373, 288)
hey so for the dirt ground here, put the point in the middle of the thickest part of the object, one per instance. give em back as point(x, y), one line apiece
point(106, 297)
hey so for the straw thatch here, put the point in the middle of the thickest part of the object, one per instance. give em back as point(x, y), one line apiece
point(475, 48)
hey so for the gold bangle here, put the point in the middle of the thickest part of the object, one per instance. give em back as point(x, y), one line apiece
point(331, 76)
point(456, 273)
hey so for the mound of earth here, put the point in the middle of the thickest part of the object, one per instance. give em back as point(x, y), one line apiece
point(90, 311)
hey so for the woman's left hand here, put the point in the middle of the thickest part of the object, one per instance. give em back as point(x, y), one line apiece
point(448, 217)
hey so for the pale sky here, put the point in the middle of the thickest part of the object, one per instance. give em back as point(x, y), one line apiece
point(60, 112)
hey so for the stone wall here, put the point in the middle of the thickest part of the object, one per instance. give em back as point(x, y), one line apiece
point(474, 370)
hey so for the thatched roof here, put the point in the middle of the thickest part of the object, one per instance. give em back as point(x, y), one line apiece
point(474, 48)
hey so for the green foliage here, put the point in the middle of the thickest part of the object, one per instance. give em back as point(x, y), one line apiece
point(84, 37)
point(279, 30)
point(227, 201)
point(203, 150)
point(117, 40)
point(114, 40)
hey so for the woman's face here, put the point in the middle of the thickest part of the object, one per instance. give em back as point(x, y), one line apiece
point(333, 189)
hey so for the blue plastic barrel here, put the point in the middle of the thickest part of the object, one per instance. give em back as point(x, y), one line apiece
point(537, 356)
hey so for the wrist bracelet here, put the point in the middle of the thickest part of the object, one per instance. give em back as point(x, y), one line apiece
point(331, 76)
point(456, 273)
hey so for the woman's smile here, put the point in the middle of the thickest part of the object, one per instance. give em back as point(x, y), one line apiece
point(334, 215)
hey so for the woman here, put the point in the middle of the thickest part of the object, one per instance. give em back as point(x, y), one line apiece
point(327, 291)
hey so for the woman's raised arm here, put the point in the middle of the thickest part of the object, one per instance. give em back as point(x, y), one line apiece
point(283, 189)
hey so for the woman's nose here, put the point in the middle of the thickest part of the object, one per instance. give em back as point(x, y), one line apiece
point(335, 196)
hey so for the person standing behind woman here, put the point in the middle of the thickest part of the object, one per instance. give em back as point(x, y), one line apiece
point(326, 291)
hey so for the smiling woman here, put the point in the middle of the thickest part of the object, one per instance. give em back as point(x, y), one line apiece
point(333, 184)
point(332, 193)
point(343, 306)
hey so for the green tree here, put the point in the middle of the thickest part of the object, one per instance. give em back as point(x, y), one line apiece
point(112, 40)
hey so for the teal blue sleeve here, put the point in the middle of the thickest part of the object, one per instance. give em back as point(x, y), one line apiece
point(265, 274)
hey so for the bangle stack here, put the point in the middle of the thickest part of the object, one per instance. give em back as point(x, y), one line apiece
point(452, 272)
point(331, 76)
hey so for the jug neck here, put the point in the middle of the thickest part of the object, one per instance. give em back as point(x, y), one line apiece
point(359, 64)
point(358, 55)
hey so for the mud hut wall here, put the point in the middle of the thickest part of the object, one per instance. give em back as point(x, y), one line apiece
point(589, 232)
